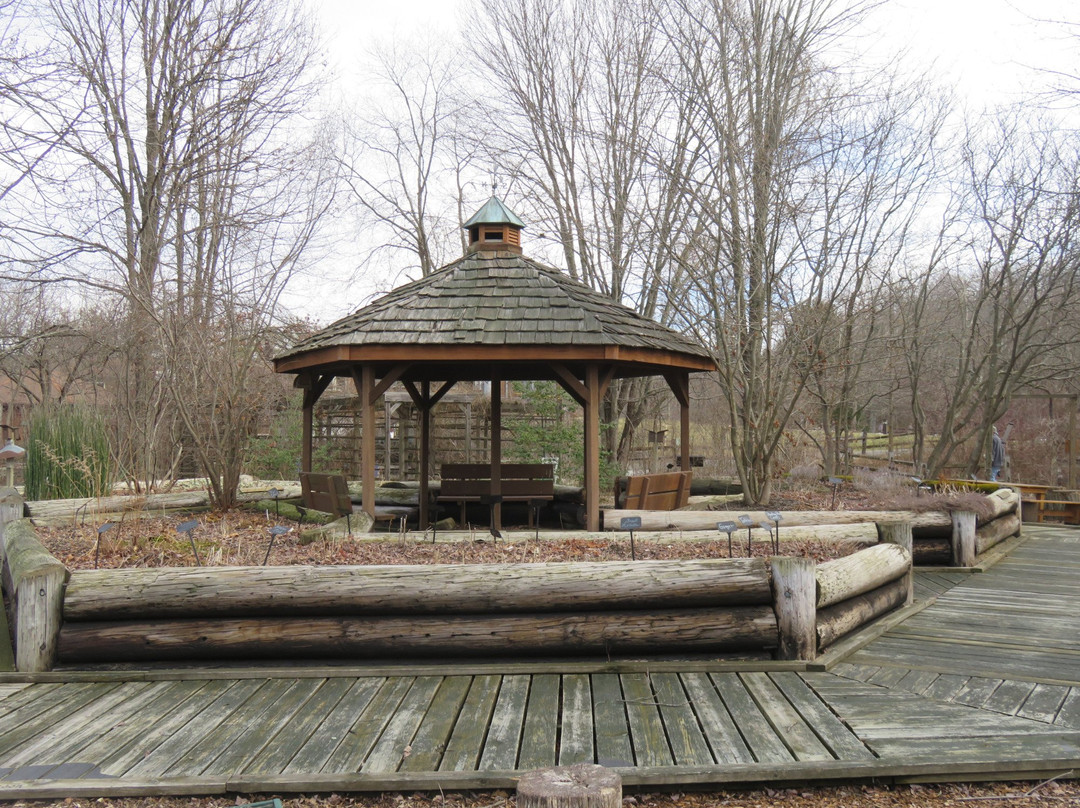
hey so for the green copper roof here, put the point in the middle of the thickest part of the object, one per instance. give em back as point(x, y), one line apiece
point(495, 212)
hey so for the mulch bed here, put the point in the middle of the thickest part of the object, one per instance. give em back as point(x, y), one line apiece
point(242, 539)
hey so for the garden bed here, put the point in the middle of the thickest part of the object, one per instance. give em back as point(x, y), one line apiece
point(242, 539)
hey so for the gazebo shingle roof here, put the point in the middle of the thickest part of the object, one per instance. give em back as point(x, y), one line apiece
point(497, 299)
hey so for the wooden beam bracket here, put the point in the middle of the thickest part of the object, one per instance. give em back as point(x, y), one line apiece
point(570, 383)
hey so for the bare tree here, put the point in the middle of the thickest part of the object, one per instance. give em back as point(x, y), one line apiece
point(580, 120)
point(872, 189)
point(175, 181)
point(402, 149)
point(995, 313)
point(753, 78)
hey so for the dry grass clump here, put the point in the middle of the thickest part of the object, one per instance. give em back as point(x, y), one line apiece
point(976, 503)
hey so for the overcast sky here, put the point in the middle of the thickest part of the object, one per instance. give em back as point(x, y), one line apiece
point(992, 51)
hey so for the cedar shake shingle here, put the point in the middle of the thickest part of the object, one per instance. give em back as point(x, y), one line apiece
point(497, 298)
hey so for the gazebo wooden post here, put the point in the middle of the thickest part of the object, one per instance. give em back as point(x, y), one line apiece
point(308, 428)
point(496, 448)
point(425, 402)
point(425, 451)
point(680, 386)
point(364, 379)
point(313, 387)
point(592, 447)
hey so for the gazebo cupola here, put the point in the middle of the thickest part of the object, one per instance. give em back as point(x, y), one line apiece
point(494, 227)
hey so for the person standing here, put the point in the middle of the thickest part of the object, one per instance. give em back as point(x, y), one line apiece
point(997, 455)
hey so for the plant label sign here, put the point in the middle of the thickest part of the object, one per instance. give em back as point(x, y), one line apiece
point(727, 527)
point(630, 523)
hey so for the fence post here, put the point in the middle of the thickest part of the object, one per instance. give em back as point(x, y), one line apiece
point(11, 508)
point(963, 538)
point(35, 582)
point(794, 584)
point(899, 533)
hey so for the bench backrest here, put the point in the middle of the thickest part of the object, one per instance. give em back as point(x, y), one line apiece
point(325, 492)
point(536, 480)
point(658, 492)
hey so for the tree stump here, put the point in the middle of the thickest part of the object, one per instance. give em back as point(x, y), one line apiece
point(583, 785)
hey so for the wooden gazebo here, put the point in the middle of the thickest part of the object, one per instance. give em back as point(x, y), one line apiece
point(493, 315)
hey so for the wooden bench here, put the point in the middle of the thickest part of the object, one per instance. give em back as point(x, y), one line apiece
point(325, 492)
point(658, 492)
point(1066, 510)
point(519, 482)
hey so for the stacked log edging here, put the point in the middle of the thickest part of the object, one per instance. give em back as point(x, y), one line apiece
point(939, 537)
point(743, 607)
point(859, 588)
point(360, 613)
point(958, 539)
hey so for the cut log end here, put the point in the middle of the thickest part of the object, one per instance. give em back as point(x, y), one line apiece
point(583, 785)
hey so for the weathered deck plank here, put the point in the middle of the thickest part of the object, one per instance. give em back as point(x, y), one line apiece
point(785, 720)
point(119, 760)
point(831, 730)
point(764, 744)
point(467, 741)
point(35, 719)
point(187, 735)
point(230, 730)
point(395, 743)
point(646, 726)
point(540, 736)
point(332, 729)
point(577, 721)
point(507, 722)
point(286, 745)
point(427, 747)
point(64, 738)
point(725, 739)
point(260, 732)
point(359, 739)
point(611, 727)
point(687, 742)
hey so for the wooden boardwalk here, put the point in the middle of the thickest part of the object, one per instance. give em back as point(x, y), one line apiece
point(983, 682)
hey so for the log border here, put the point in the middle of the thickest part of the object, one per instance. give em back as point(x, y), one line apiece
point(787, 587)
